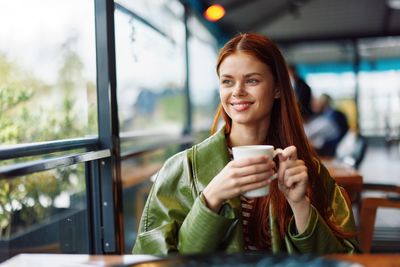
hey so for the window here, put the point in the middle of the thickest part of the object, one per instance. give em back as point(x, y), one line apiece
point(379, 82)
point(151, 77)
point(48, 71)
point(150, 68)
point(76, 126)
point(49, 122)
point(45, 211)
point(330, 68)
point(203, 80)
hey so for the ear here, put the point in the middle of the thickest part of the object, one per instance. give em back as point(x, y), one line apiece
point(277, 93)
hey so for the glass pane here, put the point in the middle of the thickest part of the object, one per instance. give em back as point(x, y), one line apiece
point(44, 212)
point(203, 80)
point(136, 180)
point(47, 70)
point(150, 71)
point(159, 13)
point(328, 67)
point(379, 102)
point(341, 87)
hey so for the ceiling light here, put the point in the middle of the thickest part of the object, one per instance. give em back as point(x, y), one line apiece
point(394, 4)
point(214, 12)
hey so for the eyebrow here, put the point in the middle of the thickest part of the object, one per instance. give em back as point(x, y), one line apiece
point(246, 76)
point(251, 74)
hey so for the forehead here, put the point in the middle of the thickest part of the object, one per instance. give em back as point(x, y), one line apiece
point(241, 62)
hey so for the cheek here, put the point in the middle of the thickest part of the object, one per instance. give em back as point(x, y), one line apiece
point(225, 106)
point(223, 95)
point(225, 101)
point(267, 100)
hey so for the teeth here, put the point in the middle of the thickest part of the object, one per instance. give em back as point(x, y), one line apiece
point(241, 105)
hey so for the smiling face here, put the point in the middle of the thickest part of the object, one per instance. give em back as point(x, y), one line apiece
point(247, 89)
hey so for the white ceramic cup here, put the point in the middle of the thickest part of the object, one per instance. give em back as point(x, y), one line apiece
point(242, 152)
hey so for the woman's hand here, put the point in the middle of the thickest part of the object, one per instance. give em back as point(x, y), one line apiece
point(293, 181)
point(292, 175)
point(237, 177)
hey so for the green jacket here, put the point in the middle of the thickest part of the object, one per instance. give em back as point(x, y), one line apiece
point(176, 219)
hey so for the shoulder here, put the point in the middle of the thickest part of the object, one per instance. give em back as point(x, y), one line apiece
point(201, 149)
point(187, 160)
point(217, 140)
point(211, 154)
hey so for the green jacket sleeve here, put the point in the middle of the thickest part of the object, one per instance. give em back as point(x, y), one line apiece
point(318, 238)
point(203, 230)
point(175, 219)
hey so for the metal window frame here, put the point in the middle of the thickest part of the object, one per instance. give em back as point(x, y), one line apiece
point(25, 168)
point(35, 149)
point(109, 170)
point(102, 156)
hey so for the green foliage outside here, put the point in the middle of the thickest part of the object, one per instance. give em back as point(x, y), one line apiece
point(173, 108)
point(25, 117)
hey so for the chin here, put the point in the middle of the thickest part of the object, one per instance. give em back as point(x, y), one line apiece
point(241, 121)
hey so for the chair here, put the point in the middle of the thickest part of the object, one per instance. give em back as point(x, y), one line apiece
point(352, 149)
point(369, 206)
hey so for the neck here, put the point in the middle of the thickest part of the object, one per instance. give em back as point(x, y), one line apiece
point(241, 135)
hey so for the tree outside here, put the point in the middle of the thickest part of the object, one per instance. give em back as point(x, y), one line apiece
point(33, 111)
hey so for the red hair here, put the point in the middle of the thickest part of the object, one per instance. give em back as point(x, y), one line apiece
point(286, 129)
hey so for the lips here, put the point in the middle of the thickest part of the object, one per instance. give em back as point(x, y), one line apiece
point(241, 106)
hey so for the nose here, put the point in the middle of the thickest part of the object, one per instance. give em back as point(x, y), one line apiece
point(239, 90)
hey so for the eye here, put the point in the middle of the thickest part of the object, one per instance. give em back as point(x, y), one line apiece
point(252, 81)
point(226, 82)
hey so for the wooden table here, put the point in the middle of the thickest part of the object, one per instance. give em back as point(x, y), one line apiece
point(77, 260)
point(66, 260)
point(373, 260)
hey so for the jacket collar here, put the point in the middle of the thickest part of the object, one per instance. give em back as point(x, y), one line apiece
point(209, 158)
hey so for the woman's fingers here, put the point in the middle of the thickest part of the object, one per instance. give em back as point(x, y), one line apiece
point(248, 187)
point(288, 153)
point(293, 180)
point(251, 166)
point(295, 167)
point(250, 161)
point(255, 178)
point(291, 168)
point(240, 176)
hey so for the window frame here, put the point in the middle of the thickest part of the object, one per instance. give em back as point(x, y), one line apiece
point(102, 154)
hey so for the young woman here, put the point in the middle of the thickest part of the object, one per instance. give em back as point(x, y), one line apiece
point(196, 203)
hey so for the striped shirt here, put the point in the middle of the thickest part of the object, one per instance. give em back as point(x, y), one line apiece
point(247, 205)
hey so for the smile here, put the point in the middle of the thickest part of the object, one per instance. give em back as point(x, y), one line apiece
point(241, 106)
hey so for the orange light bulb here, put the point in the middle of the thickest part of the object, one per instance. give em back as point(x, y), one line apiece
point(214, 12)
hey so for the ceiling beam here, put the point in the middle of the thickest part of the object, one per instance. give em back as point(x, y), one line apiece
point(231, 6)
point(336, 38)
point(289, 6)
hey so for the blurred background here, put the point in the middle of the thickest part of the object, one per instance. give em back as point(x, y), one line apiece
point(95, 95)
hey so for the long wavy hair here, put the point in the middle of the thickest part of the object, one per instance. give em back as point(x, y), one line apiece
point(286, 129)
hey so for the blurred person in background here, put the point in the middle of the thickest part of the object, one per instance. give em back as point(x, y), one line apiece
point(196, 204)
point(327, 128)
point(303, 93)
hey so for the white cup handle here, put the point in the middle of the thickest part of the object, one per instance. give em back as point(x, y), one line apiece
point(276, 152)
